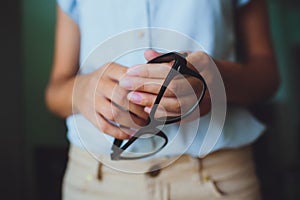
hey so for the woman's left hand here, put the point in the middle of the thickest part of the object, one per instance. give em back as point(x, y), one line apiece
point(145, 81)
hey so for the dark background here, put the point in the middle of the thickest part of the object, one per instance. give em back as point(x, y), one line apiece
point(33, 145)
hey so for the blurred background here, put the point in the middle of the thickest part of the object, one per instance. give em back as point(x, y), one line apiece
point(33, 143)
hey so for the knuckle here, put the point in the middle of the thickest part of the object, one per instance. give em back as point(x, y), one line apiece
point(205, 58)
point(121, 99)
point(202, 54)
point(148, 72)
point(110, 115)
point(200, 59)
point(107, 113)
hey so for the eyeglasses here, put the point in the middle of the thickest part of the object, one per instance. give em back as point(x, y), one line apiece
point(150, 139)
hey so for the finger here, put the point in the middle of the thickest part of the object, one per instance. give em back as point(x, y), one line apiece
point(147, 100)
point(200, 60)
point(118, 95)
point(123, 117)
point(180, 105)
point(151, 54)
point(143, 99)
point(141, 84)
point(135, 110)
point(161, 112)
point(146, 85)
point(150, 70)
point(114, 131)
point(177, 87)
point(113, 113)
point(138, 111)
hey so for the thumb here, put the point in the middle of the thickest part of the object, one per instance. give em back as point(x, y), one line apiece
point(151, 54)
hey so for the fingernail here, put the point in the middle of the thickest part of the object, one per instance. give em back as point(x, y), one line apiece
point(125, 83)
point(135, 97)
point(133, 71)
point(147, 109)
point(131, 134)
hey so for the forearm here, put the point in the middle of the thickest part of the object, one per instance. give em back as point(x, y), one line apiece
point(249, 83)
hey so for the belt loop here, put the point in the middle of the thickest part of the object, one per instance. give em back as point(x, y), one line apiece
point(203, 176)
point(99, 172)
point(200, 164)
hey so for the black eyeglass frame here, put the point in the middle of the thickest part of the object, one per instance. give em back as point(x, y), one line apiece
point(179, 66)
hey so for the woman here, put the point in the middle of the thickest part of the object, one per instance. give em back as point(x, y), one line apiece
point(85, 96)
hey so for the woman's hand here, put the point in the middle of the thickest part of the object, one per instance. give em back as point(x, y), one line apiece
point(145, 81)
point(99, 98)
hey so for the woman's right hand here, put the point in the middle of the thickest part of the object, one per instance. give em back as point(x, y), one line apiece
point(97, 95)
point(99, 98)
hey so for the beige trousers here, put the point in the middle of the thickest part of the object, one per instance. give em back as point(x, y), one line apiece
point(223, 175)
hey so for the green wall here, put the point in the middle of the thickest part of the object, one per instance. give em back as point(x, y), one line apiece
point(38, 32)
point(285, 22)
point(40, 127)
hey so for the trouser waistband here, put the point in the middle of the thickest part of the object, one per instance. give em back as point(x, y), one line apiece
point(152, 167)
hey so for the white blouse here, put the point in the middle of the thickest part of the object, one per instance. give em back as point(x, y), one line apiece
point(209, 23)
